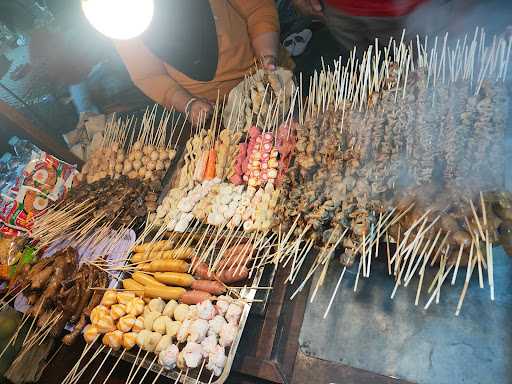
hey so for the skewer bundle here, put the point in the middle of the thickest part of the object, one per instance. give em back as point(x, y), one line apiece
point(407, 149)
point(146, 156)
point(95, 209)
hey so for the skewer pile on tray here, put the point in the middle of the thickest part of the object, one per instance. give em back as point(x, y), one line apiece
point(148, 157)
point(172, 306)
point(408, 151)
point(231, 178)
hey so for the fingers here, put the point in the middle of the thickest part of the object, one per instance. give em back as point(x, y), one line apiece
point(269, 62)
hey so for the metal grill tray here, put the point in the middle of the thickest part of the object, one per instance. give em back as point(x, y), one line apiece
point(248, 294)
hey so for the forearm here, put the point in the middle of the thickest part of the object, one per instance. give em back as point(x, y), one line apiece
point(179, 99)
point(266, 44)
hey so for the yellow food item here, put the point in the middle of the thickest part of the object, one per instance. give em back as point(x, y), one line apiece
point(146, 280)
point(175, 278)
point(166, 293)
point(166, 266)
point(162, 245)
point(133, 286)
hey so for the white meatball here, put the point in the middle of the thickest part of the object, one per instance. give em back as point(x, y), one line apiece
point(217, 360)
point(167, 358)
point(172, 327)
point(198, 330)
point(233, 313)
point(156, 305)
point(209, 344)
point(163, 344)
point(149, 320)
point(181, 312)
point(183, 332)
point(169, 308)
point(227, 334)
point(216, 325)
point(193, 354)
point(206, 310)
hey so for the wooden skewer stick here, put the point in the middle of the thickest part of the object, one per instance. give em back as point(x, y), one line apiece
point(138, 368)
point(438, 288)
point(133, 365)
point(357, 276)
point(114, 366)
point(200, 371)
point(76, 377)
point(469, 272)
point(158, 375)
point(148, 369)
point(335, 291)
point(459, 256)
point(101, 365)
point(211, 376)
point(179, 377)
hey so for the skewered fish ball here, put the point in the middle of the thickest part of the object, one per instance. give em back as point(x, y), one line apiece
point(138, 325)
point(105, 324)
point(163, 344)
point(149, 319)
point(135, 307)
point(169, 308)
point(125, 297)
point(117, 311)
point(109, 298)
point(181, 312)
point(156, 305)
point(160, 324)
point(129, 340)
point(113, 339)
point(172, 327)
point(98, 312)
point(90, 333)
point(125, 323)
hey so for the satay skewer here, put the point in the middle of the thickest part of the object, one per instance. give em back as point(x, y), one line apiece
point(457, 263)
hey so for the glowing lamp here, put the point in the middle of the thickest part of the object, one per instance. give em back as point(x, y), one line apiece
point(119, 19)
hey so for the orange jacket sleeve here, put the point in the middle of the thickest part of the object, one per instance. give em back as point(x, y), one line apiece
point(147, 71)
point(261, 15)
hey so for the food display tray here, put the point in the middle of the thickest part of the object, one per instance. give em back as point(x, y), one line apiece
point(248, 294)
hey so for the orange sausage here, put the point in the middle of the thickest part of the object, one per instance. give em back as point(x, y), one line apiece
point(211, 165)
point(233, 275)
point(200, 270)
point(194, 297)
point(213, 287)
point(237, 255)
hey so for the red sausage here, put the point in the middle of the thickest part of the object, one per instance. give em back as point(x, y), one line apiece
point(200, 270)
point(194, 297)
point(233, 275)
point(213, 287)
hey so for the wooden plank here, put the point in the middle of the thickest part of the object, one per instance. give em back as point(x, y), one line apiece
point(25, 128)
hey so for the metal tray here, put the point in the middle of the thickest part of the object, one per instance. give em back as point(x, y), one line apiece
point(248, 294)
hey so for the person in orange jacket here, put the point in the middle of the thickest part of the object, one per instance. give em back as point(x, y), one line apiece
point(195, 50)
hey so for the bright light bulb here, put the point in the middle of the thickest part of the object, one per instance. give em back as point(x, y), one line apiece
point(119, 19)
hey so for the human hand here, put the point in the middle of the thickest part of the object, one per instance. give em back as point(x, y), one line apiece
point(199, 109)
point(269, 62)
point(309, 8)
